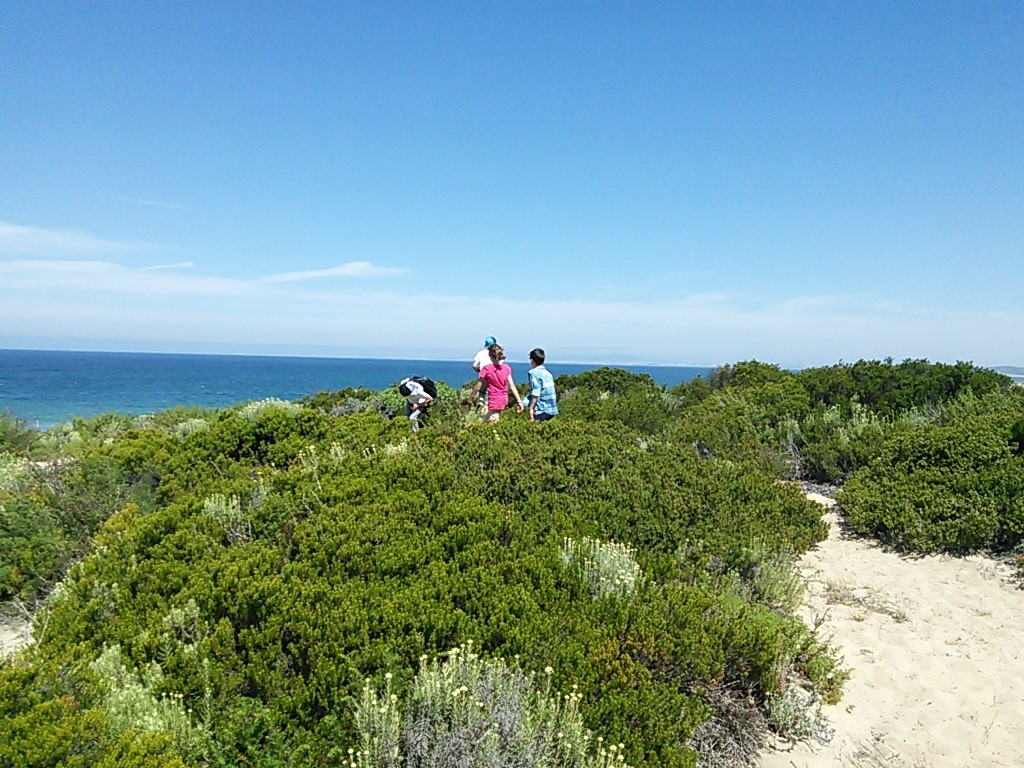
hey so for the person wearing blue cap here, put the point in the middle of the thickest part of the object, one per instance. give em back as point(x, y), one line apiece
point(483, 357)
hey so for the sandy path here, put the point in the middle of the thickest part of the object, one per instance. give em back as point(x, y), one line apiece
point(936, 649)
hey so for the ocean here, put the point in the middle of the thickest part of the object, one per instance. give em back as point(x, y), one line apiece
point(46, 388)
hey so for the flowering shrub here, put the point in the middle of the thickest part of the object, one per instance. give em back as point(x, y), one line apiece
point(464, 711)
point(252, 411)
point(608, 567)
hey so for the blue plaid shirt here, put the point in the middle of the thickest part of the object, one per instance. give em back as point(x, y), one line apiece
point(542, 390)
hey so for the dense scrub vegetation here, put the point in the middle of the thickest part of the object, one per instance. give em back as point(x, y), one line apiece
point(310, 584)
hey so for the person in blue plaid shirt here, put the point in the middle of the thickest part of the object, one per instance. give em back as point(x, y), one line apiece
point(543, 400)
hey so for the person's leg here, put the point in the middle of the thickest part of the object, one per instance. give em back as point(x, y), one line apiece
point(491, 416)
point(412, 416)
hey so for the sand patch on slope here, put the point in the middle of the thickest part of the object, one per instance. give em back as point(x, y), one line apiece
point(936, 649)
point(14, 635)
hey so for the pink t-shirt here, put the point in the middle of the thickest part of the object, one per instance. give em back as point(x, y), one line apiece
point(496, 378)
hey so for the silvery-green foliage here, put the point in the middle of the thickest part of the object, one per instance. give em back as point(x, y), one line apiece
point(184, 624)
point(608, 566)
point(252, 411)
point(796, 716)
point(733, 734)
point(309, 460)
point(15, 473)
point(351, 405)
point(337, 454)
point(386, 451)
point(130, 704)
point(227, 510)
point(397, 449)
point(464, 712)
point(774, 577)
point(260, 493)
point(190, 427)
point(59, 440)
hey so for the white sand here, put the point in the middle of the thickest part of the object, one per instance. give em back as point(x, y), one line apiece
point(14, 635)
point(936, 653)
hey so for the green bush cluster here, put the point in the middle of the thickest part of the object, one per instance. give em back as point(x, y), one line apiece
point(253, 573)
point(47, 515)
point(612, 394)
point(16, 435)
point(889, 388)
point(955, 485)
point(241, 573)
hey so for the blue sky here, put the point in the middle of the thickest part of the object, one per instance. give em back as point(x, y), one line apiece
point(696, 183)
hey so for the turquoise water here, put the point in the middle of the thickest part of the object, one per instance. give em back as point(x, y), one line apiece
point(49, 387)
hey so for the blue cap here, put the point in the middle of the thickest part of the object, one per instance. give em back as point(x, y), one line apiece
point(490, 340)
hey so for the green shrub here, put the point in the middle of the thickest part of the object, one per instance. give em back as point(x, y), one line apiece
point(889, 389)
point(48, 515)
point(16, 435)
point(611, 394)
point(746, 374)
point(615, 381)
point(955, 486)
point(827, 447)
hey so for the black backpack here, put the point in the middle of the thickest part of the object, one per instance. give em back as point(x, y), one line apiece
point(428, 386)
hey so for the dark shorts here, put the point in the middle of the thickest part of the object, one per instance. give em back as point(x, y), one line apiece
point(543, 416)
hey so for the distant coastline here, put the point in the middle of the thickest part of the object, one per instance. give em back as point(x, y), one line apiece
point(1015, 372)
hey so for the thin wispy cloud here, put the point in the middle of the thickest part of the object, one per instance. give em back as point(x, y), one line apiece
point(150, 203)
point(97, 277)
point(357, 269)
point(179, 265)
point(20, 240)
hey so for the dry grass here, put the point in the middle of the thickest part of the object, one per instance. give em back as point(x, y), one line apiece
point(840, 594)
point(877, 754)
point(734, 734)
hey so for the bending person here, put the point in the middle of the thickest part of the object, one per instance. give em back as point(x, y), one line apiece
point(417, 400)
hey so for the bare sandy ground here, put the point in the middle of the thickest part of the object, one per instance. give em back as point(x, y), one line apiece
point(13, 635)
point(936, 650)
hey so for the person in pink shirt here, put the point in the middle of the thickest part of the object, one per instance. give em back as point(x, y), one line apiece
point(497, 375)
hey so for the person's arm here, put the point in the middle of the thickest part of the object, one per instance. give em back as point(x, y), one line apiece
point(519, 400)
point(420, 394)
point(532, 397)
point(475, 392)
